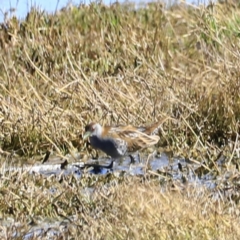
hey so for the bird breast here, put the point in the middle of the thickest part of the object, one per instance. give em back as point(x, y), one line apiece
point(112, 147)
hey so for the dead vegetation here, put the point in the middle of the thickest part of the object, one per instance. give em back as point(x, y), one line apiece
point(120, 64)
point(110, 207)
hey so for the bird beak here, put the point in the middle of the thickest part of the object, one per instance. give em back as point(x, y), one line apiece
point(86, 135)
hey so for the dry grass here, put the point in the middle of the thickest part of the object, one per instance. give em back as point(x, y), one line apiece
point(121, 65)
point(119, 208)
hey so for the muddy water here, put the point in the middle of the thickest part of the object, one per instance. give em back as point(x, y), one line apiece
point(72, 165)
point(161, 165)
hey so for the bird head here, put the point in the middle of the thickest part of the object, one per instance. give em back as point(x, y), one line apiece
point(92, 129)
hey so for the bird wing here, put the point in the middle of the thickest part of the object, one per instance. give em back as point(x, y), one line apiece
point(132, 138)
point(154, 128)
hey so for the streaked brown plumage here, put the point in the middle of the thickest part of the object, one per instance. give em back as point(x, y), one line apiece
point(120, 141)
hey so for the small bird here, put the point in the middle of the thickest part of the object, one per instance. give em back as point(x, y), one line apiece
point(121, 141)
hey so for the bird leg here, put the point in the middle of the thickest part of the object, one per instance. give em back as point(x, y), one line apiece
point(110, 166)
point(134, 158)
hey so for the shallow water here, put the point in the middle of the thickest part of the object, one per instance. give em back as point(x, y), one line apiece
point(72, 165)
point(164, 167)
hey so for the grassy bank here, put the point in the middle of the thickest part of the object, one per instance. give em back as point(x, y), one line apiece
point(116, 208)
point(122, 65)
